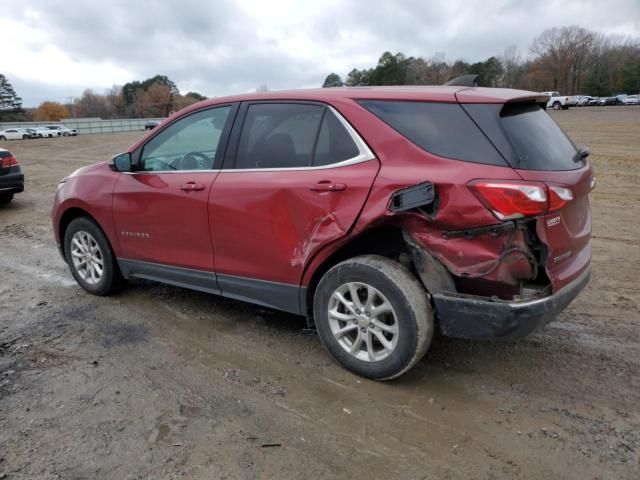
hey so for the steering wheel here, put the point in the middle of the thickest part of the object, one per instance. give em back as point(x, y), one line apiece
point(194, 161)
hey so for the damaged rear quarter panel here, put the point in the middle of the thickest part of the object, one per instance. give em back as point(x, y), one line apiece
point(403, 164)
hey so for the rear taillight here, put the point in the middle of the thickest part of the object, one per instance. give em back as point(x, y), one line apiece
point(558, 197)
point(508, 200)
point(9, 161)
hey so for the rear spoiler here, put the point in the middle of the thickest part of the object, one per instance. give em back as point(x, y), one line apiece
point(464, 81)
point(538, 98)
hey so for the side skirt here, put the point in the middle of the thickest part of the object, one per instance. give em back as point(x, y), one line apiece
point(279, 296)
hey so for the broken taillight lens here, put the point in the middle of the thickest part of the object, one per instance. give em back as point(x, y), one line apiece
point(508, 200)
point(9, 161)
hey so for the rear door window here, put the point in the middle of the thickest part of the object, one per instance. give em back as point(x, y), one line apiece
point(334, 142)
point(443, 129)
point(278, 135)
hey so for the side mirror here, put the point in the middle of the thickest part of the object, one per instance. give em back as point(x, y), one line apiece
point(122, 162)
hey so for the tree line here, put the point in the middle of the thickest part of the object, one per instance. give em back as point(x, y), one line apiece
point(157, 96)
point(570, 59)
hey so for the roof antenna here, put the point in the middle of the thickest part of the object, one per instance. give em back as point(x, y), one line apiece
point(464, 81)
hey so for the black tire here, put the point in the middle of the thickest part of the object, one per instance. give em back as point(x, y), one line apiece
point(3, 138)
point(557, 105)
point(5, 198)
point(111, 278)
point(412, 309)
point(25, 137)
point(65, 134)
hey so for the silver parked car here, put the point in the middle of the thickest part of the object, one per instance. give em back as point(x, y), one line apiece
point(631, 100)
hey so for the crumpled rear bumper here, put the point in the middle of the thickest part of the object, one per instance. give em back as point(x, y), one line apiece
point(474, 317)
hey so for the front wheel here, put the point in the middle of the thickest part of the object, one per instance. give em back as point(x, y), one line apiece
point(5, 198)
point(557, 105)
point(65, 134)
point(2, 138)
point(90, 257)
point(373, 316)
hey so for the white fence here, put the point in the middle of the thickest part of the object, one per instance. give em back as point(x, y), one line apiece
point(88, 125)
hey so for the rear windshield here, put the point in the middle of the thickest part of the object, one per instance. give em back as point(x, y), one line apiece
point(526, 136)
point(443, 129)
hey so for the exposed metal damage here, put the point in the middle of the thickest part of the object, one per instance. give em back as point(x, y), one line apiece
point(506, 260)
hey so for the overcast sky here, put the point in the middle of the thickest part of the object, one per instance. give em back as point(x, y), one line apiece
point(55, 49)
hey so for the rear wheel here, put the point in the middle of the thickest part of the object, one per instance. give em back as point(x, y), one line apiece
point(557, 105)
point(90, 257)
point(373, 316)
point(65, 134)
point(5, 198)
point(2, 138)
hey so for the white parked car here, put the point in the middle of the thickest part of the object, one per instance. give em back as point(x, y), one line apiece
point(557, 101)
point(585, 100)
point(47, 133)
point(62, 130)
point(14, 134)
point(631, 100)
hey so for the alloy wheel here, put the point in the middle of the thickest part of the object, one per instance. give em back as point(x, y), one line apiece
point(88, 260)
point(363, 321)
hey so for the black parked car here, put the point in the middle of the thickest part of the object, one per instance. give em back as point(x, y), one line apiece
point(11, 177)
point(151, 124)
point(609, 101)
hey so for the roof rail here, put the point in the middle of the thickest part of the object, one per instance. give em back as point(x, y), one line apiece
point(464, 81)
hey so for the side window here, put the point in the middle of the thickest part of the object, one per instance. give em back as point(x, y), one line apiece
point(278, 135)
point(334, 142)
point(190, 143)
point(443, 129)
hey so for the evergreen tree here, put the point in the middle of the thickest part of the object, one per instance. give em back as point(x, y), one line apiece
point(10, 102)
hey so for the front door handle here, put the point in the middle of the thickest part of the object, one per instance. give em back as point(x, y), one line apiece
point(192, 187)
point(328, 186)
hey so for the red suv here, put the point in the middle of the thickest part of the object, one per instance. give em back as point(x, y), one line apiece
point(377, 213)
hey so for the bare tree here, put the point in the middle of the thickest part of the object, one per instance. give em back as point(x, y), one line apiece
point(562, 52)
point(511, 67)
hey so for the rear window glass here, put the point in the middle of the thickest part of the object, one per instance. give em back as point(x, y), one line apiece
point(537, 141)
point(443, 129)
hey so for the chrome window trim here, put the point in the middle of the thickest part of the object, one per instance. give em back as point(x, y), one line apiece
point(140, 172)
point(364, 155)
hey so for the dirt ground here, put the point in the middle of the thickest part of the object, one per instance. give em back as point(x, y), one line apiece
point(160, 382)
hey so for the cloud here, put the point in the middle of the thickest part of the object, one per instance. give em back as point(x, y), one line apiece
point(225, 47)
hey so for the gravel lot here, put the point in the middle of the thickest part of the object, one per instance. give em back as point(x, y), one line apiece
point(160, 382)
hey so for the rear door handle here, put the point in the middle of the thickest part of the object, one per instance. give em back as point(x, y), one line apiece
point(192, 187)
point(328, 186)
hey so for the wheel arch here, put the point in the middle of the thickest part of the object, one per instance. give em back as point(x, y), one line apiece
point(385, 240)
point(71, 214)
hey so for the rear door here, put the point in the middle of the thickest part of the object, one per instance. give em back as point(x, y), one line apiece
point(296, 177)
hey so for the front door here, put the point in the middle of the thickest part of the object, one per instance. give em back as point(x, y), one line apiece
point(160, 209)
point(298, 175)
